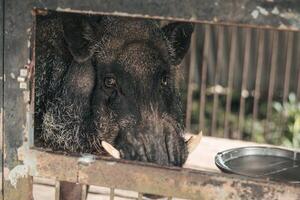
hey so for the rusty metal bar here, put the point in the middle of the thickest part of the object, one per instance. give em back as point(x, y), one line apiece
point(298, 71)
point(274, 58)
point(219, 65)
point(191, 76)
point(84, 192)
point(232, 63)
point(1, 94)
point(204, 76)
point(298, 87)
point(57, 190)
point(112, 194)
point(275, 14)
point(140, 196)
point(298, 67)
point(288, 64)
point(153, 179)
point(260, 62)
point(244, 87)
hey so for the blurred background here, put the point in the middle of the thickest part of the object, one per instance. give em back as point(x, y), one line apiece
point(243, 83)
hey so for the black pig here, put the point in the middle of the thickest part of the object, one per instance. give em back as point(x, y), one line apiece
point(110, 79)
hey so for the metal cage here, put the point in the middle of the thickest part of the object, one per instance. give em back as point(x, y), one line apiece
point(20, 161)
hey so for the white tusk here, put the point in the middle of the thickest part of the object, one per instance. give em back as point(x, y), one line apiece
point(110, 149)
point(192, 141)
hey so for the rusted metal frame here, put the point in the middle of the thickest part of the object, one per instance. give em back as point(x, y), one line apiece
point(232, 63)
point(288, 64)
point(207, 38)
point(18, 23)
point(274, 58)
point(190, 85)
point(274, 14)
point(153, 179)
point(260, 63)
point(244, 91)
point(219, 66)
point(28, 5)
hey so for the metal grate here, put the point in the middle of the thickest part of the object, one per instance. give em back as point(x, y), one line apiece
point(240, 69)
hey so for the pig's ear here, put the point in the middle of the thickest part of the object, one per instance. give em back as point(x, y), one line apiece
point(179, 35)
point(79, 34)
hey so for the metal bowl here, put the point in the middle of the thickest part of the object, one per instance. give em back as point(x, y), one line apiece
point(261, 162)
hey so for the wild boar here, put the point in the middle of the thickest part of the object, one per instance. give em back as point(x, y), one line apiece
point(112, 79)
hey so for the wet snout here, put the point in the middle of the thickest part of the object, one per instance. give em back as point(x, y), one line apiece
point(156, 139)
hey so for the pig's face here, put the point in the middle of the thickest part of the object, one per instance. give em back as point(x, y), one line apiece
point(123, 73)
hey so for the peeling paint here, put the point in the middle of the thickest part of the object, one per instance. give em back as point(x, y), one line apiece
point(262, 10)
point(275, 11)
point(86, 159)
point(255, 14)
point(19, 171)
point(12, 75)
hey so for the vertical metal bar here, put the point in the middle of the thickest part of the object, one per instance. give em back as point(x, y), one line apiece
point(57, 190)
point(298, 87)
point(220, 64)
point(232, 63)
point(189, 105)
point(84, 192)
point(260, 62)
point(140, 196)
point(274, 59)
point(204, 76)
point(244, 90)
point(1, 95)
point(112, 194)
point(298, 67)
point(289, 58)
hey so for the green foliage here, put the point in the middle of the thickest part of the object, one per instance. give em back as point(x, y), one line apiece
point(290, 112)
point(283, 127)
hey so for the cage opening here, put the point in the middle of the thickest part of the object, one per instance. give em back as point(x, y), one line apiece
point(222, 97)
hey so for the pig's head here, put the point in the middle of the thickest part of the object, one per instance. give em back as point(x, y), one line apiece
point(124, 72)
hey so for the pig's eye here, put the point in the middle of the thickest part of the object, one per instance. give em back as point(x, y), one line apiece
point(110, 82)
point(165, 80)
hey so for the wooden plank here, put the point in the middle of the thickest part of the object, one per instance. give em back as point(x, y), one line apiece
point(149, 178)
